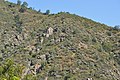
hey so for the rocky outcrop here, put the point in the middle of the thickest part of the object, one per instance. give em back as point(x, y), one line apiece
point(49, 31)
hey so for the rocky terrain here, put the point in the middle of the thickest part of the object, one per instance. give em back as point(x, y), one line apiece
point(63, 46)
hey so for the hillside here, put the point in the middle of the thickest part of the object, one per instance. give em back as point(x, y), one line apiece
point(63, 46)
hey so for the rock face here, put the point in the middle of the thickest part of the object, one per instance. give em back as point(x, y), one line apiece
point(49, 31)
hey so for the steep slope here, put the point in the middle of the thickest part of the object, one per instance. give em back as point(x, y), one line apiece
point(63, 46)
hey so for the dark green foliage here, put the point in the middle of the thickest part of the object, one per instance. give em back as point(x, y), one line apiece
point(18, 2)
point(30, 8)
point(25, 4)
point(47, 12)
point(117, 27)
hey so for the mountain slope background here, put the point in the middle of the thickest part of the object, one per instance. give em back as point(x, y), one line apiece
point(63, 46)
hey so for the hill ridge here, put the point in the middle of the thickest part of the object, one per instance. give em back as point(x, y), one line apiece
point(63, 46)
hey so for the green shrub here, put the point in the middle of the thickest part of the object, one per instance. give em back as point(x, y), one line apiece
point(10, 71)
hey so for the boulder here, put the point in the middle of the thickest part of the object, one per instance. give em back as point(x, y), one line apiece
point(49, 31)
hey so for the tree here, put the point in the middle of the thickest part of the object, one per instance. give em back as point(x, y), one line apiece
point(117, 27)
point(25, 4)
point(30, 8)
point(39, 11)
point(47, 12)
point(18, 2)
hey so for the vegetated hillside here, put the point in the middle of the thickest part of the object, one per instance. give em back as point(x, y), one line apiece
point(63, 46)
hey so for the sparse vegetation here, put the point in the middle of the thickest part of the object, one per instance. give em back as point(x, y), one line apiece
point(63, 46)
